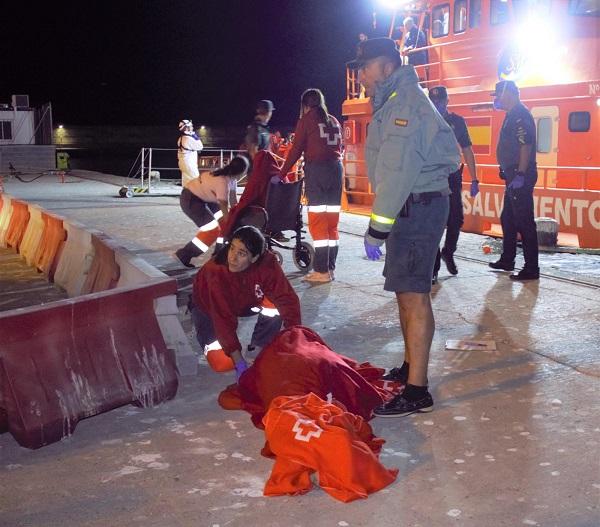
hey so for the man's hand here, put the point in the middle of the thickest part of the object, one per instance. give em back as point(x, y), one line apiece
point(517, 182)
point(474, 188)
point(372, 247)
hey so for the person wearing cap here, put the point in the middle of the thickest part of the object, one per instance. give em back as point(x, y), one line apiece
point(206, 200)
point(258, 135)
point(409, 153)
point(516, 155)
point(242, 279)
point(439, 97)
point(318, 136)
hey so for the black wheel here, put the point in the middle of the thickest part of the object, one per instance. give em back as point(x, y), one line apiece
point(278, 257)
point(304, 257)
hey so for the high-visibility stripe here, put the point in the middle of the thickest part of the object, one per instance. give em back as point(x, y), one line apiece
point(392, 95)
point(269, 312)
point(333, 243)
point(317, 208)
point(333, 208)
point(382, 219)
point(266, 311)
point(320, 243)
point(218, 215)
point(220, 239)
point(209, 226)
point(200, 244)
point(213, 346)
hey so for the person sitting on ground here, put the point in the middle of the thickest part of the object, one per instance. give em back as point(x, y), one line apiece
point(207, 199)
point(243, 278)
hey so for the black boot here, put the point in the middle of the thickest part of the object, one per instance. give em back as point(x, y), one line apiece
point(448, 258)
point(185, 254)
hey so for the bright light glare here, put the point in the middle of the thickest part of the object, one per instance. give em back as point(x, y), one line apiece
point(60, 126)
point(394, 4)
point(597, 102)
point(203, 127)
point(540, 55)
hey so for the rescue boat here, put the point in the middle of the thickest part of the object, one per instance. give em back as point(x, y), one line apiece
point(550, 49)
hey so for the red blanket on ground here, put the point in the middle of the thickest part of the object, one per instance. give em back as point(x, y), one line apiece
point(314, 405)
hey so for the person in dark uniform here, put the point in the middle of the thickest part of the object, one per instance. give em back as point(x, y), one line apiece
point(439, 97)
point(258, 135)
point(414, 38)
point(516, 154)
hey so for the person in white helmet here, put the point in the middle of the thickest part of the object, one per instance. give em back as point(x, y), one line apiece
point(188, 146)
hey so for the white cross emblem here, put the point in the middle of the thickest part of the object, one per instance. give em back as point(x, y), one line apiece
point(331, 135)
point(306, 429)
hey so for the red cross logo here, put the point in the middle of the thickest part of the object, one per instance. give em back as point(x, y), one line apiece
point(331, 134)
point(306, 429)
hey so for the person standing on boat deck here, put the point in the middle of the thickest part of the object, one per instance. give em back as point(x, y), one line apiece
point(410, 151)
point(414, 38)
point(439, 97)
point(258, 135)
point(206, 200)
point(516, 154)
point(318, 135)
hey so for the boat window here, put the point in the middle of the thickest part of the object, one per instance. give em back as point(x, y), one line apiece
point(460, 16)
point(579, 122)
point(441, 20)
point(5, 131)
point(475, 13)
point(584, 7)
point(544, 135)
point(499, 12)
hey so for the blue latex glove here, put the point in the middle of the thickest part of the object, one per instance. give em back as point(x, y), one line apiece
point(240, 368)
point(373, 251)
point(517, 182)
point(474, 188)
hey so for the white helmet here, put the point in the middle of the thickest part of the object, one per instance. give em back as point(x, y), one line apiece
point(184, 125)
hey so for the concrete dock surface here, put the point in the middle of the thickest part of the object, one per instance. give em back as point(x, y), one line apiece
point(514, 438)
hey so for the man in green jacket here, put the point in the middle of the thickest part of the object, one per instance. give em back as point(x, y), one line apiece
point(410, 152)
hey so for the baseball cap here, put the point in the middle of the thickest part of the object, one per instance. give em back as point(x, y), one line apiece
point(438, 93)
point(373, 48)
point(265, 106)
point(504, 86)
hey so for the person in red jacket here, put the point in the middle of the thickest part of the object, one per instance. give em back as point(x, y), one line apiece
point(318, 135)
point(241, 280)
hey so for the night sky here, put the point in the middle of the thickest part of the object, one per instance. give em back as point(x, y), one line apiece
point(156, 62)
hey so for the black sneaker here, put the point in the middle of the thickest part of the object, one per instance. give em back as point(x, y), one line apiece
point(526, 274)
point(449, 261)
point(399, 406)
point(280, 237)
point(434, 279)
point(501, 265)
point(396, 375)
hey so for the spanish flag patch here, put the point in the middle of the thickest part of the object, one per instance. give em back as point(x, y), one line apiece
point(401, 122)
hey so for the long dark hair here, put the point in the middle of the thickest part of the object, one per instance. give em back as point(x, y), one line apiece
point(237, 167)
point(314, 98)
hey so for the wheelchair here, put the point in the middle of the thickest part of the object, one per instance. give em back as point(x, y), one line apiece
point(283, 213)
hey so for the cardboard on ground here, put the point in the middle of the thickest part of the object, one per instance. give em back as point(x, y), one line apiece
point(471, 345)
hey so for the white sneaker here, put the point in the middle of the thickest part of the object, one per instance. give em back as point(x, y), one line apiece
point(317, 277)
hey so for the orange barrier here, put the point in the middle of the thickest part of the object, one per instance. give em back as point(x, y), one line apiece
point(5, 214)
point(17, 225)
point(33, 235)
point(76, 358)
point(75, 259)
point(50, 245)
point(104, 272)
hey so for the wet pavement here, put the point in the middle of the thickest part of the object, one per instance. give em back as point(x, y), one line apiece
point(514, 438)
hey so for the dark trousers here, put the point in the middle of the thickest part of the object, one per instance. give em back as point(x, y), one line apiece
point(517, 218)
point(264, 331)
point(196, 209)
point(456, 218)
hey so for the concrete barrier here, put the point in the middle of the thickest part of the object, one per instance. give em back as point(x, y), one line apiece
point(17, 224)
point(46, 258)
